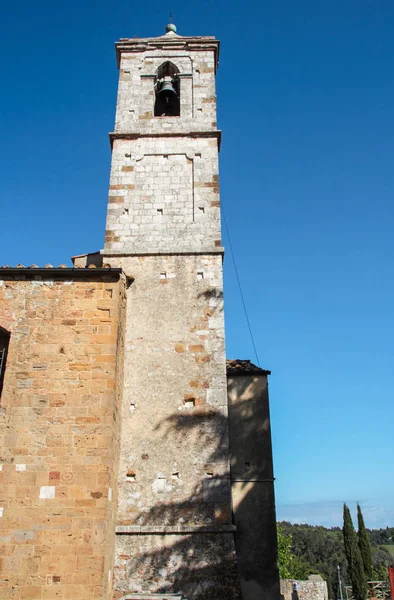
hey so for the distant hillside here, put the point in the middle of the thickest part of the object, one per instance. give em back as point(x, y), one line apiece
point(382, 536)
point(321, 550)
point(389, 548)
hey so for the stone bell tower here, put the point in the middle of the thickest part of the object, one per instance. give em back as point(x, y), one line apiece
point(174, 530)
point(163, 195)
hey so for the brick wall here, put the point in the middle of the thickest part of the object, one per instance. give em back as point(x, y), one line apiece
point(58, 437)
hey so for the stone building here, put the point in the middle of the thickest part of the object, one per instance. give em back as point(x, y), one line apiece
point(314, 588)
point(132, 465)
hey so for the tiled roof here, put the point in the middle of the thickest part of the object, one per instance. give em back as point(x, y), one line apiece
point(244, 367)
point(60, 272)
point(49, 266)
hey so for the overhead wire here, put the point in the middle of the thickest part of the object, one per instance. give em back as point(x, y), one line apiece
point(240, 287)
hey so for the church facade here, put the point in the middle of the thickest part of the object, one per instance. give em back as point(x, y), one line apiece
point(136, 461)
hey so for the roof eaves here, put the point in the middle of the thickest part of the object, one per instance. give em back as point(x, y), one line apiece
point(62, 272)
point(244, 367)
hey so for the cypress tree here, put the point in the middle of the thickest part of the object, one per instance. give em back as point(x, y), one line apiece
point(364, 544)
point(353, 557)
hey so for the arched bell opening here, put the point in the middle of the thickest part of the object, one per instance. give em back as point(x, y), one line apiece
point(4, 342)
point(167, 89)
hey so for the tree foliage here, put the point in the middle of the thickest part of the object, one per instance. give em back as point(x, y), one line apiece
point(291, 566)
point(382, 558)
point(381, 537)
point(285, 555)
point(353, 557)
point(364, 545)
point(321, 550)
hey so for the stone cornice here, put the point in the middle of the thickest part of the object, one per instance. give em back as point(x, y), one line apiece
point(120, 135)
point(173, 529)
point(168, 42)
point(109, 253)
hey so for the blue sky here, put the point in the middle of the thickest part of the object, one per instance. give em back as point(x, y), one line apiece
point(305, 101)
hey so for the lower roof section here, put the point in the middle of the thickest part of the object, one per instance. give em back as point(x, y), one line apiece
point(58, 272)
point(244, 367)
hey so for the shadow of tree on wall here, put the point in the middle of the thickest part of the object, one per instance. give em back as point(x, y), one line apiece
point(200, 565)
point(210, 293)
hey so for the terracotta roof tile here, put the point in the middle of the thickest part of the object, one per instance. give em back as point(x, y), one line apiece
point(63, 271)
point(49, 266)
point(244, 367)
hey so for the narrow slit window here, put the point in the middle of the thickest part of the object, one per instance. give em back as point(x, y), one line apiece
point(4, 342)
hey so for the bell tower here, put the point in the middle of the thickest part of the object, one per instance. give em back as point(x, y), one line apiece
point(164, 191)
point(174, 529)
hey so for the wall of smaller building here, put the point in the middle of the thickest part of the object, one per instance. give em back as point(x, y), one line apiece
point(59, 432)
point(252, 485)
point(303, 590)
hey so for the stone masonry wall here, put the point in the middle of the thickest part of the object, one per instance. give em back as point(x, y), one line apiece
point(58, 438)
point(174, 461)
point(303, 590)
point(174, 529)
point(252, 478)
point(112, 516)
point(164, 196)
point(136, 95)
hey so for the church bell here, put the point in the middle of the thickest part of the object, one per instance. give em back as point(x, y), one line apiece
point(167, 90)
point(167, 102)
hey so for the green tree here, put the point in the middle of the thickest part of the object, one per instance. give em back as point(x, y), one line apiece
point(353, 557)
point(363, 544)
point(290, 565)
point(382, 559)
point(285, 555)
point(321, 549)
